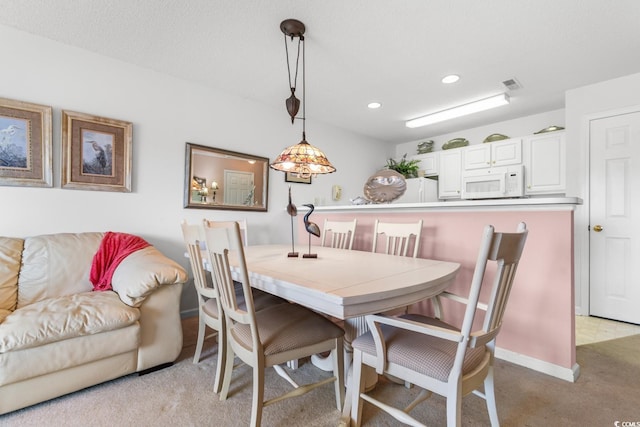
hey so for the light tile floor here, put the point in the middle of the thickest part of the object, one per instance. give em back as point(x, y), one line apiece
point(591, 329)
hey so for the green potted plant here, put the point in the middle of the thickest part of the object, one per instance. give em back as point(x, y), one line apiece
point(407, 168)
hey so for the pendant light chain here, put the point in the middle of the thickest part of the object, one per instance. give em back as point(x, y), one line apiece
point(304, 85)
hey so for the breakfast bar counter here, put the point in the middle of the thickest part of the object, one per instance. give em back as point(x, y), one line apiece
point(539, 325)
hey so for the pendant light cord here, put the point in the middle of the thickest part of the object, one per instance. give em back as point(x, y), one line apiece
point(286, 49)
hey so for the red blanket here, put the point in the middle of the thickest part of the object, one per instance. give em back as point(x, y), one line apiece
point(114, 247)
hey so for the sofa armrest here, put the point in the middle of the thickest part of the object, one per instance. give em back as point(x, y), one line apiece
point(144, 271)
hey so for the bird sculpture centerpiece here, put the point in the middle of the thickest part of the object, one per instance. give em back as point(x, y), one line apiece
point(292, 211)
point(312, 228)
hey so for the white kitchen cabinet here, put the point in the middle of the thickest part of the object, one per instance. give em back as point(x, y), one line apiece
point(449, 179)
point(490, 154)
point(428, 163)
point(545, 163)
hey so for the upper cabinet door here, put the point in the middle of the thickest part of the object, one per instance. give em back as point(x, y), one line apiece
point(477, 156)
point(507, 152)
point(499, 153)
point(449, 180)
point(428, 163)
point(545, 163)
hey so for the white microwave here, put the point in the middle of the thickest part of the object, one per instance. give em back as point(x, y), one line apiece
point(493, 183)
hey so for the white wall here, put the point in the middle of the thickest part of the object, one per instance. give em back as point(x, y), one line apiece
point(166, 113)
point(521, 126)
point(581, 105)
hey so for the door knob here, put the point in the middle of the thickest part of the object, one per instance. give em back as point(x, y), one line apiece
point(597, 228)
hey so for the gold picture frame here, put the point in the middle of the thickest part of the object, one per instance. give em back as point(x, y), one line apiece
point(96, 153)
point(25, 144)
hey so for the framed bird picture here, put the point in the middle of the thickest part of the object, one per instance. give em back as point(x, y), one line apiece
point(25, 144)
point(96, 153)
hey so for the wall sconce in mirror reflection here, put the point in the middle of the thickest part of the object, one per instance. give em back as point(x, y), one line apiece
point(235, 181)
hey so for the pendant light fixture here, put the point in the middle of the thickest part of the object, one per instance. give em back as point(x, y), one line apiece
point(302, 159)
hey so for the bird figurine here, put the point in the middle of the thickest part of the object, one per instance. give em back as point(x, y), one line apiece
point(312, 228)
point(292, 211)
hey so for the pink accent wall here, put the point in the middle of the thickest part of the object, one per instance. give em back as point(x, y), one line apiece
point(539, 321)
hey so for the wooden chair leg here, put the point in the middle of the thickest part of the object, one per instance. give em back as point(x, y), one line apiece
point(490, 397)
point(222, 360)
point(200, 342)
point(357, 387)
point(454, 408)
point(337, 355)
point(258, 395)
point(228, 370)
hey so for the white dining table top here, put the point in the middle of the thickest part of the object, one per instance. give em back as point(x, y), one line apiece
point(346, 283)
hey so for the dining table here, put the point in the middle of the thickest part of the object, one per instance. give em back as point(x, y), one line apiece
point(345, 284)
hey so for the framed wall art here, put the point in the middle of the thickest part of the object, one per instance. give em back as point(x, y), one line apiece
point(25, 144)
point(293, 177)
point(96, 153)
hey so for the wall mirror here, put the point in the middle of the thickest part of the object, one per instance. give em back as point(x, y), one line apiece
point(223, 179)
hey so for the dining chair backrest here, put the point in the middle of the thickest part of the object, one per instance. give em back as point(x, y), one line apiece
point(339, 234)
point(244, 230)
point(194, 240)
point(398, 237)
point(223, 237)
point(505, 249)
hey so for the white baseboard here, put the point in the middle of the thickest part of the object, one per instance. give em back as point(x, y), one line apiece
point(567, 374)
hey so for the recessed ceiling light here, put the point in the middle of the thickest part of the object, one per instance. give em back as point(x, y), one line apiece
point(374, 105)
point(451, 78)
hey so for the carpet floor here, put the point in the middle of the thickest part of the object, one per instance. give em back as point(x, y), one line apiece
point(607, 391)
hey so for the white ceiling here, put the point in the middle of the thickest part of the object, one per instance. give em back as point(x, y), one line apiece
point(394, 52)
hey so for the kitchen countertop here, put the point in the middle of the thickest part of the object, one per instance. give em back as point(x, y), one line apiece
point(501, 204)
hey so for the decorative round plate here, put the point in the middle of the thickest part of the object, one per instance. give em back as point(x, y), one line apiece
point(385, 186)
point(495, 137)
point(455, 143)
point(549, 129)
point(425, 147)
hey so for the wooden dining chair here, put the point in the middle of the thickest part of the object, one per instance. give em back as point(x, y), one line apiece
point(272, 336)
point(397, 237)
point(209, 307)
point(439, 357)
point(339, 234)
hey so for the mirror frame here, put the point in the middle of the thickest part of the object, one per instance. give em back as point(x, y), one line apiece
point(190, 151)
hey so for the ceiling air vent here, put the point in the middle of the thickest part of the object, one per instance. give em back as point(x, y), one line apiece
point(512, 84)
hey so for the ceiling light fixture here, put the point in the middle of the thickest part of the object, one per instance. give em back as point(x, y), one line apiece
point(374, 105)
point(302, 159)
point(461, 110)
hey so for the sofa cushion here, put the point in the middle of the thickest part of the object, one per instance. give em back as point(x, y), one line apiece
point(56, 265)
point(10, 256)
point(62, 318)
point(58, 356)
point(144, 271)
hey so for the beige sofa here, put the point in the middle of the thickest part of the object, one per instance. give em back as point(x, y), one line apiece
point(58, 336)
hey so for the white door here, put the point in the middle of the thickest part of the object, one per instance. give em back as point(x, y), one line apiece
point(238, 188)
point(615, 217)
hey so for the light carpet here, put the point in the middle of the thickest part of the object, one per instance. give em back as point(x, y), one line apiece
point(607, 391)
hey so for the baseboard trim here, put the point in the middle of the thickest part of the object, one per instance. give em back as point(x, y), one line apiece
point(567, 374)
